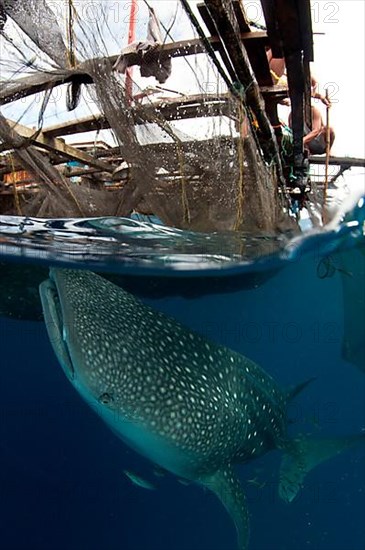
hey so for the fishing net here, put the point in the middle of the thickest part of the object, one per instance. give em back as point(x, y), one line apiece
point(38, 22)
point(215, 181)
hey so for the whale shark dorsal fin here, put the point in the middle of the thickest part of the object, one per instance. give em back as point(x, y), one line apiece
point(226, 485)
point(302, 455)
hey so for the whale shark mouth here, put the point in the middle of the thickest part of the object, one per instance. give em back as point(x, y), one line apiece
point(54, 320)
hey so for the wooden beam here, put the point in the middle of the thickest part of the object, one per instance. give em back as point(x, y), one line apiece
point(338, 161)
point(190, 146)
point(39, 82)
point(65, 170)
point(256, 50)
point(259, 63)
point(193, 46)
point(274, 93)
point(71, 172)
point(240, 14)
point(176, 109)
point(180, 108)
point(78, 126)
point(270, 14)
point(56, 145)
point(291, 21)
point(239, 11)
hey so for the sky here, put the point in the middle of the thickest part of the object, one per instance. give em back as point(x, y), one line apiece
point(338, 65)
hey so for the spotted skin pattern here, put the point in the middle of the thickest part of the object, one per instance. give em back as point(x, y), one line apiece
point(188, 404)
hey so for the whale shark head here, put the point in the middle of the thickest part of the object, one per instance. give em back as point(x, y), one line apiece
point(81, 328)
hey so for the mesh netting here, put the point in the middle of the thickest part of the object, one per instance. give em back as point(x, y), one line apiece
point(220, 182)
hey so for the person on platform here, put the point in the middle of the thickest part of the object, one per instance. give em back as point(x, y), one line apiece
point(315, 139)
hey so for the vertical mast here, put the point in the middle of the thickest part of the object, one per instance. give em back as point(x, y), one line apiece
point(131, 38)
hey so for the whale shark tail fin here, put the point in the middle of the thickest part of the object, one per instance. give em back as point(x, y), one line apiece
point(302, 455)
point(227, 487)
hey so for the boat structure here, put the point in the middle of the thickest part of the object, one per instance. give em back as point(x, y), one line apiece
point(245, 172)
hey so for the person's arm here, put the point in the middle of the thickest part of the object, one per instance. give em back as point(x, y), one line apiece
point(314, 84)
point(325, 101)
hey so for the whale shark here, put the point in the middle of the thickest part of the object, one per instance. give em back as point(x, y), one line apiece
point(191, 406)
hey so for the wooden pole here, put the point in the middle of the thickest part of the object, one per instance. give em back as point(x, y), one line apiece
point(131, 38)
point(328, 148)
point(71, 35)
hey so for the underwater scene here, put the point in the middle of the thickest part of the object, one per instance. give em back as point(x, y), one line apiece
point(220, 365)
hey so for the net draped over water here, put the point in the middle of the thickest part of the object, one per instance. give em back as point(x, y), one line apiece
point(220, 182)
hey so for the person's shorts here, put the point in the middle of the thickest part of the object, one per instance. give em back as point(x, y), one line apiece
point(317, 146)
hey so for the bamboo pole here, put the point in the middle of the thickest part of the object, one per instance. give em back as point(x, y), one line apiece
point(131, 38)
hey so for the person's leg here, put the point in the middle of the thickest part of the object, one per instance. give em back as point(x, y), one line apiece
point(277, 66)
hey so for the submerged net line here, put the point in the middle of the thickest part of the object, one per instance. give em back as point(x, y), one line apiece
point(214, 184)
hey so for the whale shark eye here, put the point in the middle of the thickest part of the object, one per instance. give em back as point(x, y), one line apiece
point(106, 398)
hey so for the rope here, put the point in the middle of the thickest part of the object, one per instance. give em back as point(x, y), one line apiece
point(184, 197)
point(240, 151)
point(328, 147)
point(276, 76)
point(287, 141)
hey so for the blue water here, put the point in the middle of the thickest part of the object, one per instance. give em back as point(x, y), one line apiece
point(289, 303)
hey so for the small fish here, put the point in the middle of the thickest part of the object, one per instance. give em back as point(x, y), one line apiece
point(254, 481)
point(159, 472)
point(140, 482)
point(185, 482)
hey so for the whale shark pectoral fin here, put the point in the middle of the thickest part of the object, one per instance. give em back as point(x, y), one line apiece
point(302, 455)
point(226, 485)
